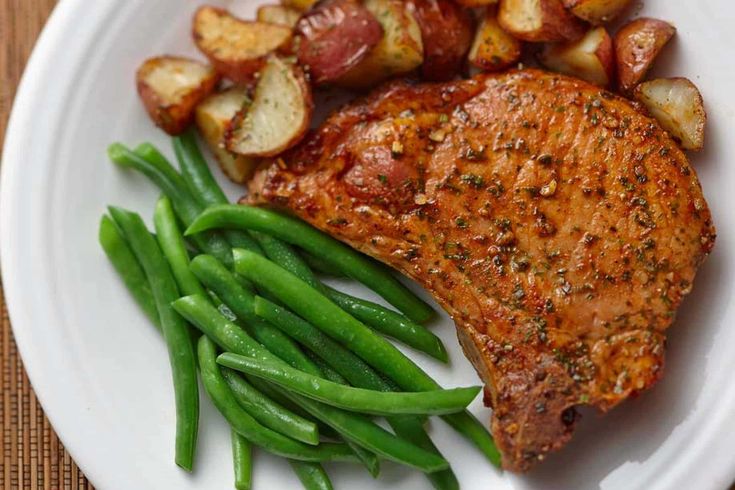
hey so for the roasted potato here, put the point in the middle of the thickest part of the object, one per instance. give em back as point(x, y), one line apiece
point(300, 5)
point(637, 44)
point(446, 32)
point(334, 37)
point(278, 14)
point(279, 115)
point(235, 47)
point(596, 12)
point(400, 50)
point(213, 115)
point(677, 105)
point(493, 48)
point(171, 87)
point(590, 58)
point(476, 3)
point(539, 20)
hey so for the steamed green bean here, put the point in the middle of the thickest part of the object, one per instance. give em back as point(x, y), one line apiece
point(317, 243)
point(220, 394)
point(198, 311)
point(310, 304)
point(269, 413)
point(127, 266)
point(175, 332)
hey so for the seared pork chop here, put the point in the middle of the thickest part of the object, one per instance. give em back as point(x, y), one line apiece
point(558, 225)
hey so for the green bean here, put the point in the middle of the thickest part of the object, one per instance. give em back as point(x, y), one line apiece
point(372, 348)
point(175, 332)
point(359, 374)
point(269, 413)
point(342, 360)
point(220, 394)
point(195, 170)
point(328, 372)
point(315, 242)
point(204, 188)
point(274, 394)
point(127, 266)
point(188, 207)
point(411, 429)
point(172, 244)
point(242, 461)
point(354, 427)
point(382, 319)
point(284, 255)
point(436, 402)
point(390, 323)
point(321, 266)
point(362, 431)
point(311, 475)
point(225, 285)
point(155, 166)
point(368, 458)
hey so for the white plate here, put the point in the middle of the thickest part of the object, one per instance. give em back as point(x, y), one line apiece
point(101, 372)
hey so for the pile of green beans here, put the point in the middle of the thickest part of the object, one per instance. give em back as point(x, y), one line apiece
point(287, 360)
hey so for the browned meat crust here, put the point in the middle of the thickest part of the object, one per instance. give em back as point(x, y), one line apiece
point(558, 226)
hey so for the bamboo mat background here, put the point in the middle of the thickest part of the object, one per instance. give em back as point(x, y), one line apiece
point(31, 456)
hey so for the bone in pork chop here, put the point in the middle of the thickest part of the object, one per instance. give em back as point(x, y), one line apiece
point(558, 225)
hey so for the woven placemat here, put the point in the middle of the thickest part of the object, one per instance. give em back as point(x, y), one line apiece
point(31, 456)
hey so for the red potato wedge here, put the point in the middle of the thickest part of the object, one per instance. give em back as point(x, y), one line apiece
point(637, 44)
point(213, 116)
point(334, 37)
point(300, 5)
point(539, 21)
point(596, 12)
point(278, 117)
point(590, 58)
point(678, 106)
point(236, 48)
point(446, 33)
point(278, 14)
point(493, 48)
point(171, 87)
point(476, 3)
point(400, 50)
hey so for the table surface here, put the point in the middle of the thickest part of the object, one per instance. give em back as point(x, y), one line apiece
point(31, 456)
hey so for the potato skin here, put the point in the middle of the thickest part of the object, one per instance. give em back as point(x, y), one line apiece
point(677, 105)
point(493, 49)
point(213, 115)
point(300, 5)
point(273, 106)
point(551, 21)
point(236, 48)
point(596, 12)
point(637, 44)
point(173, 116)
point(334, 37)
point(590, 58)
point(446, 30)
point(278, 14)
point(399, 52)
point(476, 3)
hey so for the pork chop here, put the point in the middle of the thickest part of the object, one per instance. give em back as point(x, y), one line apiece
point(558, 225)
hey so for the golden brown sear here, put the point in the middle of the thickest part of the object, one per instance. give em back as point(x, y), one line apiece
point(558, 225)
